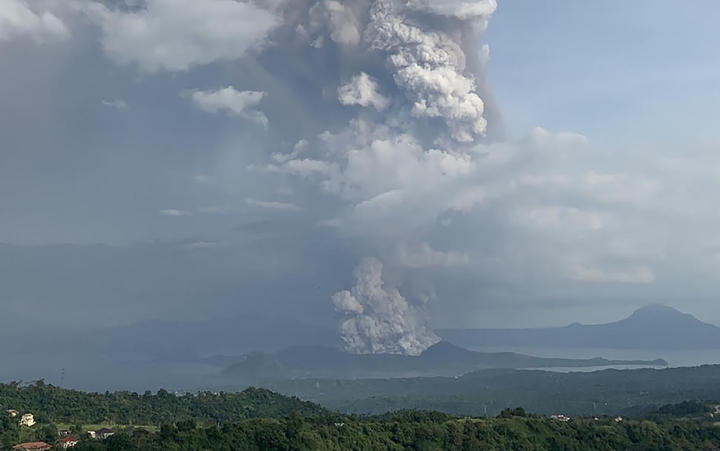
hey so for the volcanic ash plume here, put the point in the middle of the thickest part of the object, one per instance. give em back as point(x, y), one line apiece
point(428, 66)
point(409, 76)
point(377, 319)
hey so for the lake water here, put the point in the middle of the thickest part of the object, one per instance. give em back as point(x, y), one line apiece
point(675, 358)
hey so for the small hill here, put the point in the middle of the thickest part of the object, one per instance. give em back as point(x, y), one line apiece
point(445, 352)
point(650, 327)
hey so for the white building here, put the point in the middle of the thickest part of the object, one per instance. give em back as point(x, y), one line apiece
point(27, 420)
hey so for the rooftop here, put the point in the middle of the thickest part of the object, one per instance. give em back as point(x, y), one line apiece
point(31, 446)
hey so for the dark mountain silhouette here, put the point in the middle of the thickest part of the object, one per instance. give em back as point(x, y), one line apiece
point(442, 358)
point(651, 327)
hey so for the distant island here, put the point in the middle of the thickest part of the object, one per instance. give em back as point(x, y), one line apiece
point(651, 327)
point(441, 359)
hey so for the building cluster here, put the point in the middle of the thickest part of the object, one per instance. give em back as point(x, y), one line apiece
point(101, 434)
point(65, 441)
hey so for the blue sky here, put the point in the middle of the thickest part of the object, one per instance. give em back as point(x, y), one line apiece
point(641, 71)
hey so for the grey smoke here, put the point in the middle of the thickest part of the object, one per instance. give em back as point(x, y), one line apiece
point(410, 150)
point(378, 319)
point(429, 66)
point(363, 91)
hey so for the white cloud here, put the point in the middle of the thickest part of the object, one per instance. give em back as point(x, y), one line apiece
point(271, 205)
point(117, 104)
point(362, 90)
point(217, 209)
point(19, 18)
point(634, 274)
point(540, 190)
point(203, 245)
point(466, 200)
point(388, 182)
point(175, 213)
point(424, 256)
point(176, 35)
point(557, 141)
point(463, 9)
point(203, 179)
point(306, 168)
point(619, 187)
point(237, 103)
point(300, 147)
point(566, 219)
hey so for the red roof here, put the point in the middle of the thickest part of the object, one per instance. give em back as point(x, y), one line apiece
point(32, 446)
point(67, 439)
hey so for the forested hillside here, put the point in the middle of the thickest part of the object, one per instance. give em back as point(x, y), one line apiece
point(51, 403)
point(420, 431)
point(258, 419)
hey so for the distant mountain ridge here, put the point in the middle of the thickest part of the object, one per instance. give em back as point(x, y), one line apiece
point(651, 327)
point(441, 359)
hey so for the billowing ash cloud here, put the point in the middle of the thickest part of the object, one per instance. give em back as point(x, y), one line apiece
point(411, 74)
point(363, 91)
point(429, 66)
point(379, 319)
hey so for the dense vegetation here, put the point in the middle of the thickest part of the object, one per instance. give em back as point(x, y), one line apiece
point(257, 419)
point(487, 392)
point(419, 431)
point(53, 404)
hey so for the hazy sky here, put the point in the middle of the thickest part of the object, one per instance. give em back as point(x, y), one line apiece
point(185, 159)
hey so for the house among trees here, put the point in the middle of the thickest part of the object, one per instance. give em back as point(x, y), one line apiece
point(67, 442)
point(13, 413)
point(32, 446)
point(560, 417)
point(101, 434)
point(27, 420)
